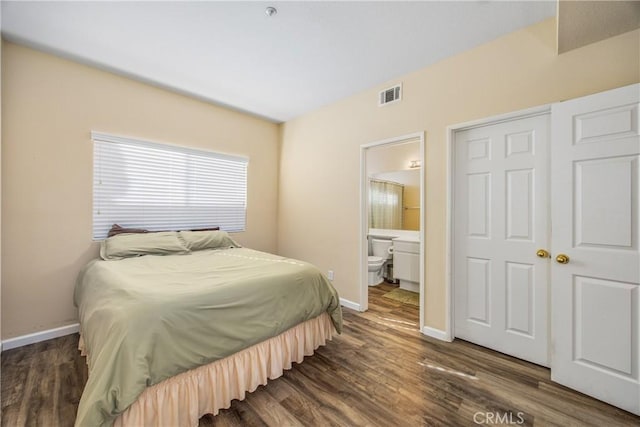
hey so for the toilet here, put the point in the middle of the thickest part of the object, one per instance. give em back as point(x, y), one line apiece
point(382, 251)
point(376, 264)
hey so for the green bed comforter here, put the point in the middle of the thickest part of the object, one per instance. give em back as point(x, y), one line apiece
point(146, 319)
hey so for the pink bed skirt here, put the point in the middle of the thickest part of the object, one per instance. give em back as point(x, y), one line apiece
point(183, 399)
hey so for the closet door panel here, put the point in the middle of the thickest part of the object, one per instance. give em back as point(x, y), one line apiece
point(595, 290)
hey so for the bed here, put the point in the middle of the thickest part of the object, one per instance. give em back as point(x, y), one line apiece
point(177, 324)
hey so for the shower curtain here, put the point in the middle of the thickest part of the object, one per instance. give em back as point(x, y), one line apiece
point(385, 204)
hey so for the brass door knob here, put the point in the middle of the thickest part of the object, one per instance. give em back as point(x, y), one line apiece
point(543, 253)
point(562, 259)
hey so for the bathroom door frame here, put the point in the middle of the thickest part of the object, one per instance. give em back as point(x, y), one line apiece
point(364, 217)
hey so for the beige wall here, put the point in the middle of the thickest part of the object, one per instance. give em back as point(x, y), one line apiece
point(50, 106)
point(584, 22)
point(319, 173)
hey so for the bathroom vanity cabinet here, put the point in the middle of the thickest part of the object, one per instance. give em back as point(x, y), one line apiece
point(406, 263)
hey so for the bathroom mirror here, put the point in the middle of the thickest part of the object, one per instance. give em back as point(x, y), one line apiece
point(394, 187)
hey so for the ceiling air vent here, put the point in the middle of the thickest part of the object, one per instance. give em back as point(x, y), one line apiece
point(390, 95)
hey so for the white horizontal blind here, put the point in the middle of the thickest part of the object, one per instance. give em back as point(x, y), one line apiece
point(165, 187)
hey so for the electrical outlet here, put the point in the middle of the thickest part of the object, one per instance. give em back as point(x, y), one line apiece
point(330, 274)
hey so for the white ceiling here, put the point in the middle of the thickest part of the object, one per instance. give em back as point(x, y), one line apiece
point(231, 53)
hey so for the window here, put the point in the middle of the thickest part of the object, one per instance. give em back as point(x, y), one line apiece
point(165, 187)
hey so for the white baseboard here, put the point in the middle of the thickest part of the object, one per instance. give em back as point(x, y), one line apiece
point(349, 304)
point(437, 334)
point(35, 337)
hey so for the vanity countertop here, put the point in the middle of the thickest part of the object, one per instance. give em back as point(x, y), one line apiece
point(408, 239)
point(404, 235)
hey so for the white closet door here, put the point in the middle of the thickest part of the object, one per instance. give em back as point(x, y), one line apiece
point(500, 220)
point(595, 296)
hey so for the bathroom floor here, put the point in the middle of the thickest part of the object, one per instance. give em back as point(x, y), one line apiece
point(398, 309)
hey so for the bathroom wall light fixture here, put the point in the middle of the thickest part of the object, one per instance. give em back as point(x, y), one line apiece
point(415, 164)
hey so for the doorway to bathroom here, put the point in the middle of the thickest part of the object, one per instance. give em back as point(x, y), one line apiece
point(392, 220)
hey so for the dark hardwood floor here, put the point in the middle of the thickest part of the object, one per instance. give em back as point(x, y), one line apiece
point(380, 372)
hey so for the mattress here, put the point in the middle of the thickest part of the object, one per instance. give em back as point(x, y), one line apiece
point(146, 319)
